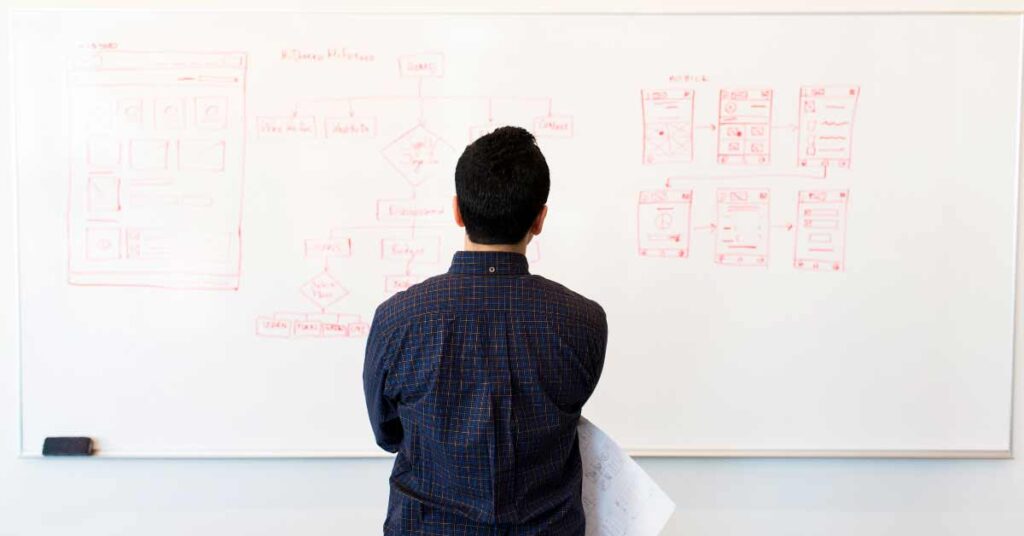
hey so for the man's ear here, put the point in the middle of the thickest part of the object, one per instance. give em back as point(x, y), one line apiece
point(456, 212)
point(538, 222)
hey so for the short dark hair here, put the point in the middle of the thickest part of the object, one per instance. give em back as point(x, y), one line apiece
point(502, 181)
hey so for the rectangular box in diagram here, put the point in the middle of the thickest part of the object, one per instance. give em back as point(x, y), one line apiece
point(102, 244)
point(826, 125)
point(202, 155)
point(295, 126)
point(169, 113)
point(743, 226)
point(422, 65)
point(210, 113)
point(130, 113)
point(821, 230)
point(744, 126)
point(663, 223)
point(668, 125)
point(399, 282)
point(104, 194)
point(147, 131)
point(316, 248)
point(553, 126)
point(419, 211)
point(350, 127)
point(421, 249)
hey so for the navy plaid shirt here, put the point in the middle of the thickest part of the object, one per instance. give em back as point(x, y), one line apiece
point(476, 379)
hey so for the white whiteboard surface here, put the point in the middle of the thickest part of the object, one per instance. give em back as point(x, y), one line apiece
point(803, 228)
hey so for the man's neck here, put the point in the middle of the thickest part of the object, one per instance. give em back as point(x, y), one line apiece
point(507, 248)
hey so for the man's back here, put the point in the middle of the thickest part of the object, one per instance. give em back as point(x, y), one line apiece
point(477, 377)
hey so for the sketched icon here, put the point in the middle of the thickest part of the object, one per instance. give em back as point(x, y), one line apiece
point(420, 155)
point(324, 290)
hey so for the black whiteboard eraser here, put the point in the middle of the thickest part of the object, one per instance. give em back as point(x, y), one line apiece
point(67, 446)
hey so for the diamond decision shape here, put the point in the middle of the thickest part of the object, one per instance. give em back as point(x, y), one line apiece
point(324, 290)
point(420, 155)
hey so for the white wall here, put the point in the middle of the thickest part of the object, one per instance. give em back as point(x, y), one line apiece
point(98, 497)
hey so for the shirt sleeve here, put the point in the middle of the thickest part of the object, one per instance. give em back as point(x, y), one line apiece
point(382, 408)
point(600, 346)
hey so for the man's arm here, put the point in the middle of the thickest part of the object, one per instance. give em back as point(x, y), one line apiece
point(383, 409)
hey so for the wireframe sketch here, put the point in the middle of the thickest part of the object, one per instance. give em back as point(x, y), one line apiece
point(826, 125)
point(156, 169)
point(663, 223)
point(743, 227)
point(668, 125)
point(821, 230)
point(745, 126)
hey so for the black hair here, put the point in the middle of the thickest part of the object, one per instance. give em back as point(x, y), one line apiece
point(502, 182)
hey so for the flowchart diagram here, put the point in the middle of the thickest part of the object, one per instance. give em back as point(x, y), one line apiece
point(742, 226)
point(404, 241)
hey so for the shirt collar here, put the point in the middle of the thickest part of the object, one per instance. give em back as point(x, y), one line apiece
point(489, 263)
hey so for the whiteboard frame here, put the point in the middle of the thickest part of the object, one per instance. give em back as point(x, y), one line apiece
point(635, 453)
point(661, 452)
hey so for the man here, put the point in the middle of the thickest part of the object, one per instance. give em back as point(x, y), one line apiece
point(476, 377)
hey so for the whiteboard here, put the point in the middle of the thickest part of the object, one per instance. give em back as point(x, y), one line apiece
point(803, 228)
